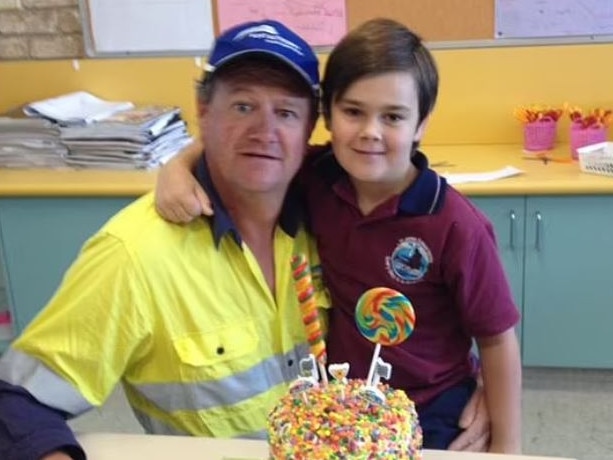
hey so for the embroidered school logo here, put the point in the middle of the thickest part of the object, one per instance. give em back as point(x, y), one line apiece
point(410, 261)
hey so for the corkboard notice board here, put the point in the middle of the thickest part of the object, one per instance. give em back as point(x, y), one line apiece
point(433, 20)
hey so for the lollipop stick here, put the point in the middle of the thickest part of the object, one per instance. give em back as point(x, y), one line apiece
point(322, 372)
point(373, 364)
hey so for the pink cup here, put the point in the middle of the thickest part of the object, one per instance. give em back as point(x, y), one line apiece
point(5, 317)
point(580, 137)
point(539, 135)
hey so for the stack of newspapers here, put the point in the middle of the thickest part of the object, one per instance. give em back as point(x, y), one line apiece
point(142, 137)
point(113, 135)
point(30, 143)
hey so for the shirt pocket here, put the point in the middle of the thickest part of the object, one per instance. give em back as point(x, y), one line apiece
point(218, 352)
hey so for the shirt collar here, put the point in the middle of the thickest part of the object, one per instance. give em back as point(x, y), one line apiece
point(292, 213)
point(424, 196)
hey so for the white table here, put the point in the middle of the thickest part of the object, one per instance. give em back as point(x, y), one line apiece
point(102, 446)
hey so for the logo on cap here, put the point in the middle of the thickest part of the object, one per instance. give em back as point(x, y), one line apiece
point(267, 37)
point(268, 34)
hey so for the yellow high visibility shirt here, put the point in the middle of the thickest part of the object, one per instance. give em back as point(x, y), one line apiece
point(183, 318)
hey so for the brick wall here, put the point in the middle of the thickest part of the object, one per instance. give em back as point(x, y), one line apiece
point(40, 29)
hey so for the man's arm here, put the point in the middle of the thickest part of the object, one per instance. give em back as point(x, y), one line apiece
point(52, 370)
point(29, 429)
point(501, 367)
point(178, 195)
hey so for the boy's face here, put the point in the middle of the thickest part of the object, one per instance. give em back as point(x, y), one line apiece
point(373, 127)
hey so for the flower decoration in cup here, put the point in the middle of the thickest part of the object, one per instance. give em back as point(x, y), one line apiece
point(595, 118)
point(534, 113)
point(539, 124)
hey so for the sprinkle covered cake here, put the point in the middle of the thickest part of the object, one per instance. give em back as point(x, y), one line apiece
point(344, 420)
point(347, 419)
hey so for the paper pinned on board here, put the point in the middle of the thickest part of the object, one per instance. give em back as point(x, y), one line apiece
point(488, 176)
point(552, 18)
point(321, 23)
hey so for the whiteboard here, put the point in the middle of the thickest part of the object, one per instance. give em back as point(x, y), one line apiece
point(553, 18)
point(147, 26)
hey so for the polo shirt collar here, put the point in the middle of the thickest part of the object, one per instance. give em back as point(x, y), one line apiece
point(424, 196)
point(290, 219)
point(427, 192)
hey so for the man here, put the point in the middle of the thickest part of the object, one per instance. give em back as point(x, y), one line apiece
point(198, 322)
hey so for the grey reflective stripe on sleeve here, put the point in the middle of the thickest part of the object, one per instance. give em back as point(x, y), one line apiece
point(20, 369)
point(228, 391)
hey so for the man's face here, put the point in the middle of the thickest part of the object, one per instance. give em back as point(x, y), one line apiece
point(254, 136)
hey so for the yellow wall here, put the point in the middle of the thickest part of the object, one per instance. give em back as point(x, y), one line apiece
point(479, 87)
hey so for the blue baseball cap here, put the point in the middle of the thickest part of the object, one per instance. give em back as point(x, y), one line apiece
point(270, 38)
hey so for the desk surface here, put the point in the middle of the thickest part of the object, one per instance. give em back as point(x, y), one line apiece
point(538, 179)
point(100, 446)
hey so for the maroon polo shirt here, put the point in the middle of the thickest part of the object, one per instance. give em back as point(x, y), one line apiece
point(431, 244)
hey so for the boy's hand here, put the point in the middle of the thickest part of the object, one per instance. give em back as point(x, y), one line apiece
point(178, 195)
point(475, 421)
point(182, 202)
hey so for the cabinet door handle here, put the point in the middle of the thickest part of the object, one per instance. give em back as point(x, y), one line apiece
point(537, 237)
point(512, 230)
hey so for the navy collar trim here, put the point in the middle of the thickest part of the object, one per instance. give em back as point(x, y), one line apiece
point(424, 196)
point(292, 214)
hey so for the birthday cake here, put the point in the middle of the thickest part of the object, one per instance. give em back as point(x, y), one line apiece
point(340, 421)
point(347, 419)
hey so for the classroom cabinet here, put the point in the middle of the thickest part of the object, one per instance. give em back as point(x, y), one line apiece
point(40, 237)
point(558, 253)
point(507, 216)
point(568, 295)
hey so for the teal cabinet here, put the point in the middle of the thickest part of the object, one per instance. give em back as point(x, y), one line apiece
point(568, 282)
point(40, 237)
point(558, 254)
point(507, 215)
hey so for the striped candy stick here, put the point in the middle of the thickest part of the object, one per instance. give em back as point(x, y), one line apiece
point(305, 291)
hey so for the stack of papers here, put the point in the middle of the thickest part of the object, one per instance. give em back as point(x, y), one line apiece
point(107, 134)
point(488, 176)
point(142, 137)
point(30, 143)
point(76, 108)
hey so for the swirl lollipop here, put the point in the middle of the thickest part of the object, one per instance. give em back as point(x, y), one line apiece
point(385, 317)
